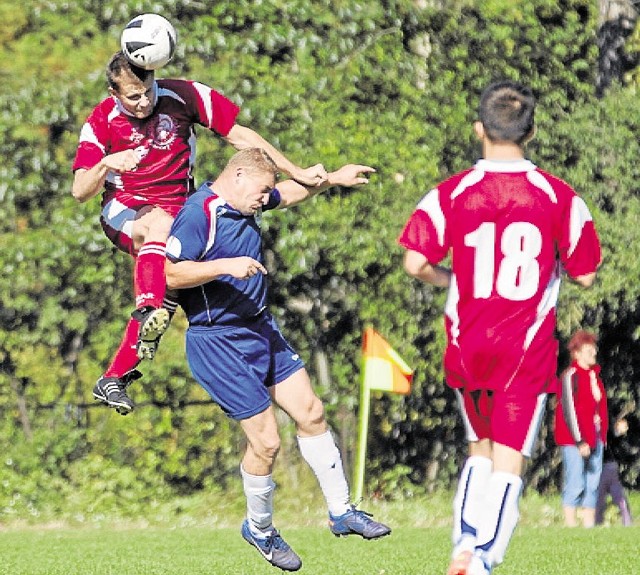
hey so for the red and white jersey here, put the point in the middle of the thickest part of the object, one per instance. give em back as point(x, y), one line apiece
point(510, 228)
point(164, 142)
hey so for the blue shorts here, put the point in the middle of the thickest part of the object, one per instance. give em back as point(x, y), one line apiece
point(236, 364)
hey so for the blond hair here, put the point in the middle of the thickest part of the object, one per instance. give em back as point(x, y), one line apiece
point(254, 161)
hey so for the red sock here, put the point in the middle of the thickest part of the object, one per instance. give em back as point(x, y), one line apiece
point(149, 279)
point(126, 357)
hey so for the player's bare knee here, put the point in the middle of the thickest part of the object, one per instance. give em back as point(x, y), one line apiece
point(312, 420)
point(268, 449)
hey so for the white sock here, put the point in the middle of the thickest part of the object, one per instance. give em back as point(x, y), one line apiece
point(499, 518)
point(468, 503)
point(258, 490)
point(323, 456)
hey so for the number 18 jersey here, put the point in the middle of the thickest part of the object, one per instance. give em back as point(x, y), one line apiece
point(510, 229)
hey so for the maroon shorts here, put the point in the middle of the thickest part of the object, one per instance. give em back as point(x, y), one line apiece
point(119, 213)
point(509, 417)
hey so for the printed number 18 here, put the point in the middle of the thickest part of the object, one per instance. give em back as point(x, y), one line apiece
point(518, 273)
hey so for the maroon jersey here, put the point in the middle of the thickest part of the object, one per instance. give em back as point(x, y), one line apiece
point(510, 228)
point(164, 142)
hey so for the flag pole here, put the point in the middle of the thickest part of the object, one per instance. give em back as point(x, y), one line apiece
point(363, 430)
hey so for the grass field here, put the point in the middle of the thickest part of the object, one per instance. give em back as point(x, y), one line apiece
point(221, 551)
point(204, 539)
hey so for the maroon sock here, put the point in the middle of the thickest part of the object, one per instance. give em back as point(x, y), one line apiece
point(149, 279)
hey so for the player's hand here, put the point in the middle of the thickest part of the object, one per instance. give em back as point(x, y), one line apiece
point(351, 175)
point(244, 268)
point(313, 176)
point(121, 162)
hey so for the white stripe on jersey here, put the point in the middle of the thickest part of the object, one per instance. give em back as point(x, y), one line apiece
point(213, 222)
point(472, 178)
point(579, 217)
point(545, 307)
point(170, 94)
point(547, 304)
point(451, 308)
point(88, 135)
point(117, 110)
point(205, 95)
point(539, 181)
point(431, 205)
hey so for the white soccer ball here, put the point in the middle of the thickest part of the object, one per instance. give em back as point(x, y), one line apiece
point(148, 41)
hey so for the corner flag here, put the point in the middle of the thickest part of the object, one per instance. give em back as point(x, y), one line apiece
point(382, 370)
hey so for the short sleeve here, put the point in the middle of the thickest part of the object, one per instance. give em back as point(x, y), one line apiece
point(425, 231)
point(189, 234)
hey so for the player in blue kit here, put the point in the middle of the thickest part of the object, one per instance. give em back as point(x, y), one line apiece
point(235, 349)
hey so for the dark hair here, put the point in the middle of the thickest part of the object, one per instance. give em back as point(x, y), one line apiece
point(579, 339)
point(119, 65)
point(507, 112)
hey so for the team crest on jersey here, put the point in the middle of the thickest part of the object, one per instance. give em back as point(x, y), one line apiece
point(163, 132)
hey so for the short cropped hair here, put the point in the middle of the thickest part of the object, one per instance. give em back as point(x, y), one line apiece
point(507, 112)
point(119, 66)
point(254, 161)
point(579, 339)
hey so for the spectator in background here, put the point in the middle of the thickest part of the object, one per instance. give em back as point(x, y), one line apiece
point(581, 424)
point(610, 483)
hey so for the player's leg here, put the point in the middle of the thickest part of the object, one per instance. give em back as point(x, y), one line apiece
point(317, 446)
point(515, 421)
point(117, 220)
point(468, 503)
point(150, 231)
point(263, 443)
point(232, 364)
point(293, 393)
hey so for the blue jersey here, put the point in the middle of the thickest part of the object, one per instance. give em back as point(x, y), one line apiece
point(206, 229)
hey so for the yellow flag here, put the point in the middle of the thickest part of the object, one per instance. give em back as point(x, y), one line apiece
point(384, 369)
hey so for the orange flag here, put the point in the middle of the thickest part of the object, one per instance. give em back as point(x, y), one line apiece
point(384, 369)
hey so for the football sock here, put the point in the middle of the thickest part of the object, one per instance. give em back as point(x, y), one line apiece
point(126, 358)
point(499, 517)
point(323, 456)
point(148, 275)
point(468, 503)
point(258, 490)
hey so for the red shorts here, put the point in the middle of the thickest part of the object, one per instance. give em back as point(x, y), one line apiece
point(509, 417)
point(119, 213)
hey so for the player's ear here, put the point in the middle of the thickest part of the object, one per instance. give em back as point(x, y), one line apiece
point(478, 128)
point(530, 135)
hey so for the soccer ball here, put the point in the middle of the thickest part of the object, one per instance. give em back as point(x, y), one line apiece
point(148, 41)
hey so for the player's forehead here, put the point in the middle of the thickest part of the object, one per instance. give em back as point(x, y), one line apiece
point(130, 85)
point(262, 179)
